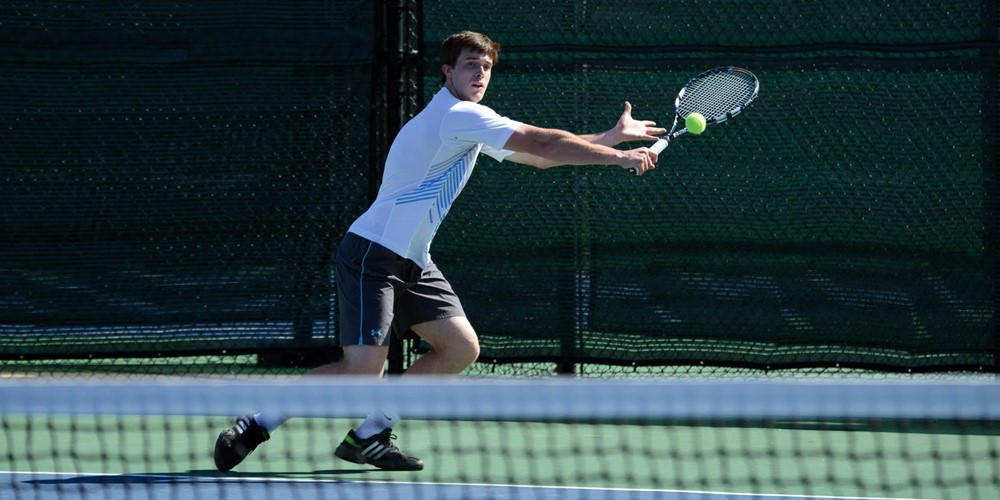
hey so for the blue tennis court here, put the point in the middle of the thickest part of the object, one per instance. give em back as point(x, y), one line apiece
point(204, 485)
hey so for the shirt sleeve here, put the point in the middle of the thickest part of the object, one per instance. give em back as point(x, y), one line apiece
point(496, 154)
point(472, 123)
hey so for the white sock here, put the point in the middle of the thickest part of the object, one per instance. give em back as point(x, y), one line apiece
point(376, 422)
point(269, 421)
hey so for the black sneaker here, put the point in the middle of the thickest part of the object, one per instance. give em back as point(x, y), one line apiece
point(377, 450)
point(235, 443)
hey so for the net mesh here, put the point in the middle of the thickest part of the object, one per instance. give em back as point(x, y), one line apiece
point(554, 439)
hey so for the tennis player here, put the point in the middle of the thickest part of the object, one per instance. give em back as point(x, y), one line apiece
point(386, 281)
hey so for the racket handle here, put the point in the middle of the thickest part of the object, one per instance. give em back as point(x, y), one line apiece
point(656, 148)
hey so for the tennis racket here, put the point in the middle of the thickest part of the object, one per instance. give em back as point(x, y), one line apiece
point(718, 94)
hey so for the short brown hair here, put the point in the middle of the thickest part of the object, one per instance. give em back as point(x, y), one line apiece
point(477, 42)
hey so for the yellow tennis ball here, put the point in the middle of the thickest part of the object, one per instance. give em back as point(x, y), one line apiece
point(695, 123)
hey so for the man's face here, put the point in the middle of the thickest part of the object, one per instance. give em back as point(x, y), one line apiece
point(470, 76)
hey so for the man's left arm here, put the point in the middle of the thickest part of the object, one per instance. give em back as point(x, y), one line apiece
point(627, 129)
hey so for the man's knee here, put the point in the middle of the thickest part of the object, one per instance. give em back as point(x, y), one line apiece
point(453, 338)
point(466, 350)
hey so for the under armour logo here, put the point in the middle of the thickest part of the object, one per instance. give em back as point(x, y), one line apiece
point(376, 332)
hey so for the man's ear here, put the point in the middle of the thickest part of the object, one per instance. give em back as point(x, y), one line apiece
point(446, 70)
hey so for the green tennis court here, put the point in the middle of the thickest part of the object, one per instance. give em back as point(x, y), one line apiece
point(885, 455)
point(737, 460)
point(589, 457)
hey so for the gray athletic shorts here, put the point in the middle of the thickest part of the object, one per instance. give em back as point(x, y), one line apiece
point(380, 292)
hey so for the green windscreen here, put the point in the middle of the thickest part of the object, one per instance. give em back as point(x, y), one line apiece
point(176, 175)
point(847, 218)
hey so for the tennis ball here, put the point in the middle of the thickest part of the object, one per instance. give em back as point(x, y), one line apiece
point(695, 123)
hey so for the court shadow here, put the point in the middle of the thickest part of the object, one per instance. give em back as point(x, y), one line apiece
point(341, 472)
point(193, 477)
point(279, 475)
point(126, 479)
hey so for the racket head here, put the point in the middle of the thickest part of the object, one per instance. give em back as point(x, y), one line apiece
point(718, 94)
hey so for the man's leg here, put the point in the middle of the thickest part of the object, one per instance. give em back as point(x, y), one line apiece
point(357, 360)
point(371, 443)
point(455, 346)
point(368, 277)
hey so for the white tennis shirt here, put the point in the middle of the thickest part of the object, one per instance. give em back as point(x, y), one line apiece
point(429, 163)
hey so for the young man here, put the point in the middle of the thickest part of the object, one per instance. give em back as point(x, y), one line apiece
point(386, 280)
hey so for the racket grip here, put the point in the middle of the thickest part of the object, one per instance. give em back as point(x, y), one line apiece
point(656, 148)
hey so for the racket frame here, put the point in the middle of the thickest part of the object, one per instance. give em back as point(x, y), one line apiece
point(674, 133)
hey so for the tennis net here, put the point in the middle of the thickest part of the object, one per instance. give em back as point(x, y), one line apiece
point(509, 438)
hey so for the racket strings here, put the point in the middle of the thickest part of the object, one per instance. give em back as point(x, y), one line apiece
point(717, 94)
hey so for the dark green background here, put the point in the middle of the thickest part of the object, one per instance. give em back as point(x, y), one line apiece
point(175, 176)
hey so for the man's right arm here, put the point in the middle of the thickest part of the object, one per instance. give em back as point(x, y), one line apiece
point(545, 147)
